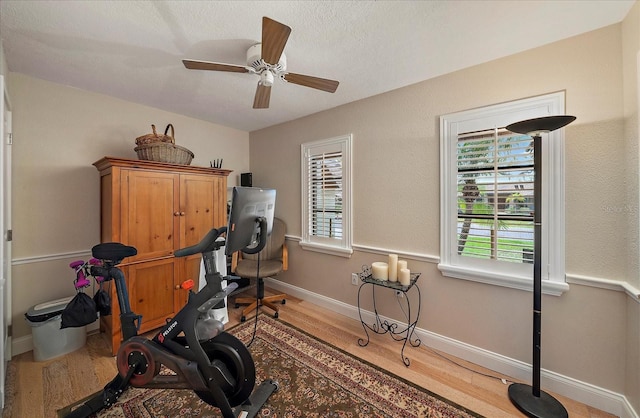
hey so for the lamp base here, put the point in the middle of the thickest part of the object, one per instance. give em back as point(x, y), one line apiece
point(545, 406)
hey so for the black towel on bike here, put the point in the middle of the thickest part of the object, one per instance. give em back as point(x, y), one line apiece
point(80, 311)
point(103, 302)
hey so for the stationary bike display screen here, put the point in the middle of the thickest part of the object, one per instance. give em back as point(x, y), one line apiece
point(248, 204)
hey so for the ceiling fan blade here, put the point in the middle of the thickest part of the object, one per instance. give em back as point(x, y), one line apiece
point(214, 66)
point(274, 38)
point(313, 82)
point(263, 94)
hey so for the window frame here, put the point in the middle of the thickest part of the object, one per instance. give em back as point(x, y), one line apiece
point(340, 247)
point(512, 275)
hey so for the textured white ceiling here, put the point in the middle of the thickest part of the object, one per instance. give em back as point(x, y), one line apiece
point(133, 49)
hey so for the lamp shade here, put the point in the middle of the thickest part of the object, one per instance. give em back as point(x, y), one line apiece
point(534, 127)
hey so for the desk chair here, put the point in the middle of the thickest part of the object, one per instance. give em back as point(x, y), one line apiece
point(273, 260)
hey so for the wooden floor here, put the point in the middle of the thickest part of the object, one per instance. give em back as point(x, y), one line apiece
point(41, 388)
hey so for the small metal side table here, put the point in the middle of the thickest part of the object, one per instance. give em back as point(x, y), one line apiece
point(398, 332)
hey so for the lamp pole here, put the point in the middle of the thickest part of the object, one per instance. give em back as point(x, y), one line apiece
point(530, 399)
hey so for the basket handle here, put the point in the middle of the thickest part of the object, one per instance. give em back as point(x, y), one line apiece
point(173, 140)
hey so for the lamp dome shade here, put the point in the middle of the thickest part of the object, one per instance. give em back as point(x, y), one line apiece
point(540, 125)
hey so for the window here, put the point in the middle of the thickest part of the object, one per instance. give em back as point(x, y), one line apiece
point(487, 196)
point(326, 196)
point(495, 195)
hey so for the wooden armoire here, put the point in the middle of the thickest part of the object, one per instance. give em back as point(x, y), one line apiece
point(157, 208)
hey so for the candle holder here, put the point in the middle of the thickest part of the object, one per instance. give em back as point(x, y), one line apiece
point(383, 326)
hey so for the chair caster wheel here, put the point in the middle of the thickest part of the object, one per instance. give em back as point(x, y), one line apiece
point(283, 301)
point(244, 318)
point(275, 315)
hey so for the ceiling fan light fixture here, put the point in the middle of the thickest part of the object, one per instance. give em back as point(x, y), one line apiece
point(266, 78)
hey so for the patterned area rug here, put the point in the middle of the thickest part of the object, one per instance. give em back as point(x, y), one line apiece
point(315, 380)
point(9, 390)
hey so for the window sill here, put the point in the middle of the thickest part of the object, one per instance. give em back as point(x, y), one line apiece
point(549, 287)
point(326, 249)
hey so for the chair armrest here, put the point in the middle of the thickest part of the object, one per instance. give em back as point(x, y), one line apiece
point(285, 257)
point(235, 257)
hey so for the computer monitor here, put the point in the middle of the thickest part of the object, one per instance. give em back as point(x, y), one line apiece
point(248, 205)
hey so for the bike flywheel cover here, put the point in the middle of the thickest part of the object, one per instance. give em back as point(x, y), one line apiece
point(236, 358)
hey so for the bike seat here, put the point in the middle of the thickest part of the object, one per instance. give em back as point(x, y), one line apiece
point(113, 251)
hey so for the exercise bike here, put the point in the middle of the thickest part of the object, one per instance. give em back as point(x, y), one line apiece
point(214, 364)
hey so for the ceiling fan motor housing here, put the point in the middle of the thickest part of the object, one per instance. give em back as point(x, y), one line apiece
point(254, 60)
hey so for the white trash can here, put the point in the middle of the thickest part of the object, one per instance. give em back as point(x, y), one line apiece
point(49, 340)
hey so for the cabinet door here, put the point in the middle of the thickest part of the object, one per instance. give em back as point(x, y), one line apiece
point(200, 198)
point(150, 216)
point(199, 201)
point(151, 292)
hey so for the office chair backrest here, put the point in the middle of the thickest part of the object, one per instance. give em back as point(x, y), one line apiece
point(273, 249)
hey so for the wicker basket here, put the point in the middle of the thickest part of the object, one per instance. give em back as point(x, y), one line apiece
point(154, 137)
point(165, 153)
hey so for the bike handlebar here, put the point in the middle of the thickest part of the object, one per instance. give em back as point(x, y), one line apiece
point(208, 243)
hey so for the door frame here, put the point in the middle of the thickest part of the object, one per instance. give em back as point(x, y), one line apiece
point(6, 136)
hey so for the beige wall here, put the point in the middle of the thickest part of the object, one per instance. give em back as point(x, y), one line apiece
point(58, 133)
point(631, 86)
point(590, 334)
point(396, 203)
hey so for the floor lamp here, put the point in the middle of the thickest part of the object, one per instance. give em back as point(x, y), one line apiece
point(530, 399)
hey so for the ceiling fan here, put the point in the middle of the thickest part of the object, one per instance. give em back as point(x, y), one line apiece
point(268, 61)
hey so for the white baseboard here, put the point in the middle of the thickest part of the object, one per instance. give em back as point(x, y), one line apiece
point(21, 344)
point(604, 399)
point(25, 343)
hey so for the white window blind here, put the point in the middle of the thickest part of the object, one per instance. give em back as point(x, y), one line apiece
point(326, 195)
point(486, 205)
point(495, 195)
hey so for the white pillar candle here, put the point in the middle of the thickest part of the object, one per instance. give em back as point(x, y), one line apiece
point(402, 264)
point(393, 267)
point(404, 277)
point(380, 270)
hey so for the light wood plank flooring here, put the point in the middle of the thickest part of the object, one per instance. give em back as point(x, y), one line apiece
point(41, 388)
